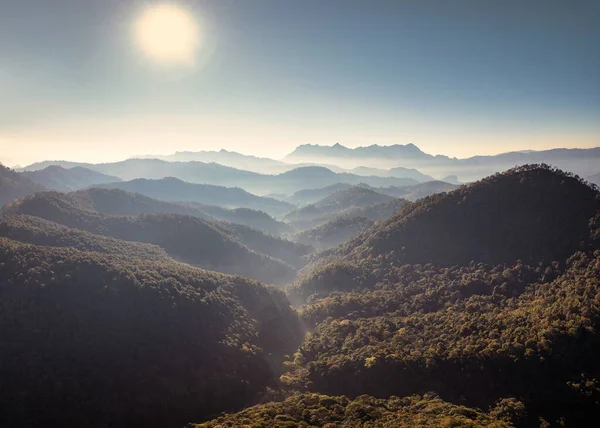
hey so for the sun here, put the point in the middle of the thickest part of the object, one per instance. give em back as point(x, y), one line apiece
point(168, 34)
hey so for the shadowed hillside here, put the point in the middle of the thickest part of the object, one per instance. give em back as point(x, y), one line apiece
point(120, 202)
point(334, 233)
point(14, 185)
point(335, 204)
point(531, 213)
point(37, 231)
point(175, 190)
point(96, 340)
point(190, 239)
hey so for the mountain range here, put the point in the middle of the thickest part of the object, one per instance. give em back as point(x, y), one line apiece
point(216, 174)
point(580, 161)
point(334, 205)
point(399, 161)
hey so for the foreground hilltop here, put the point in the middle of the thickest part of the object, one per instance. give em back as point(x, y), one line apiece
point(315, 410)
point(484, 294)
point(99, 340)
point(532, 213)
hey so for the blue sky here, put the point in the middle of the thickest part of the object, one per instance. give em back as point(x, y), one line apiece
point(453, 77)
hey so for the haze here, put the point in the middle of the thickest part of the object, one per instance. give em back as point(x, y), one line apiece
point(455, 78)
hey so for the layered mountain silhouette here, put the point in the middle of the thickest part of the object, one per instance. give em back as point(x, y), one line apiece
point(417, 191)
point(173, 189)
point(393, 172)
point(14, 185)
point(229, 158)
point(397, 151)
point(309, 196)
point(37, 231)
point(220, 175)
point(334, 232)
point(121, 202)
point(335, 204)
point(222, 247)
point(531, 213)
point(55, 177)
point(580, 161)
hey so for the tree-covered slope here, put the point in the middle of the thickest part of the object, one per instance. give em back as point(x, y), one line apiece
point(339, 201)
point(505, 307)
point(532, 213)
point(255, 219)
point(472, 334)
point(14, 185)
point(121, 202)
point(309, 196)
point(90, 339)
point(316, 410)
point(418, 191)
point(175, 190)
point(334, 233)
point(55, 177)
point(37, 231)
point(188, 239)
point(378, 212)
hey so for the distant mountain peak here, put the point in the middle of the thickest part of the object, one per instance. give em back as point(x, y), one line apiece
point(397, 151)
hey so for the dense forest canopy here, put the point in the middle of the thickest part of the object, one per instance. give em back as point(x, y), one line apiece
point(505, 303)
point(129, 341)
point(315, 410)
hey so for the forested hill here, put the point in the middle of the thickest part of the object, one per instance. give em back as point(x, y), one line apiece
point(334, 233)
point(97, 340)
point(532, 213)
point(14, 185)
point(220, 247)
point(55, 177)
point(175, 190)
point(506, 308)
point(317, 410)
point(34, 230)
point(121, 202)
point(341, 202)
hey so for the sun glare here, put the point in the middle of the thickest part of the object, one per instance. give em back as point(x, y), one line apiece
point(168, 34)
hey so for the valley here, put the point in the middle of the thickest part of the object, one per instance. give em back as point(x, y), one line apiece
point(385, 305)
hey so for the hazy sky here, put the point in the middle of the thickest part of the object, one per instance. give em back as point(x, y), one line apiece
point(453, 77)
